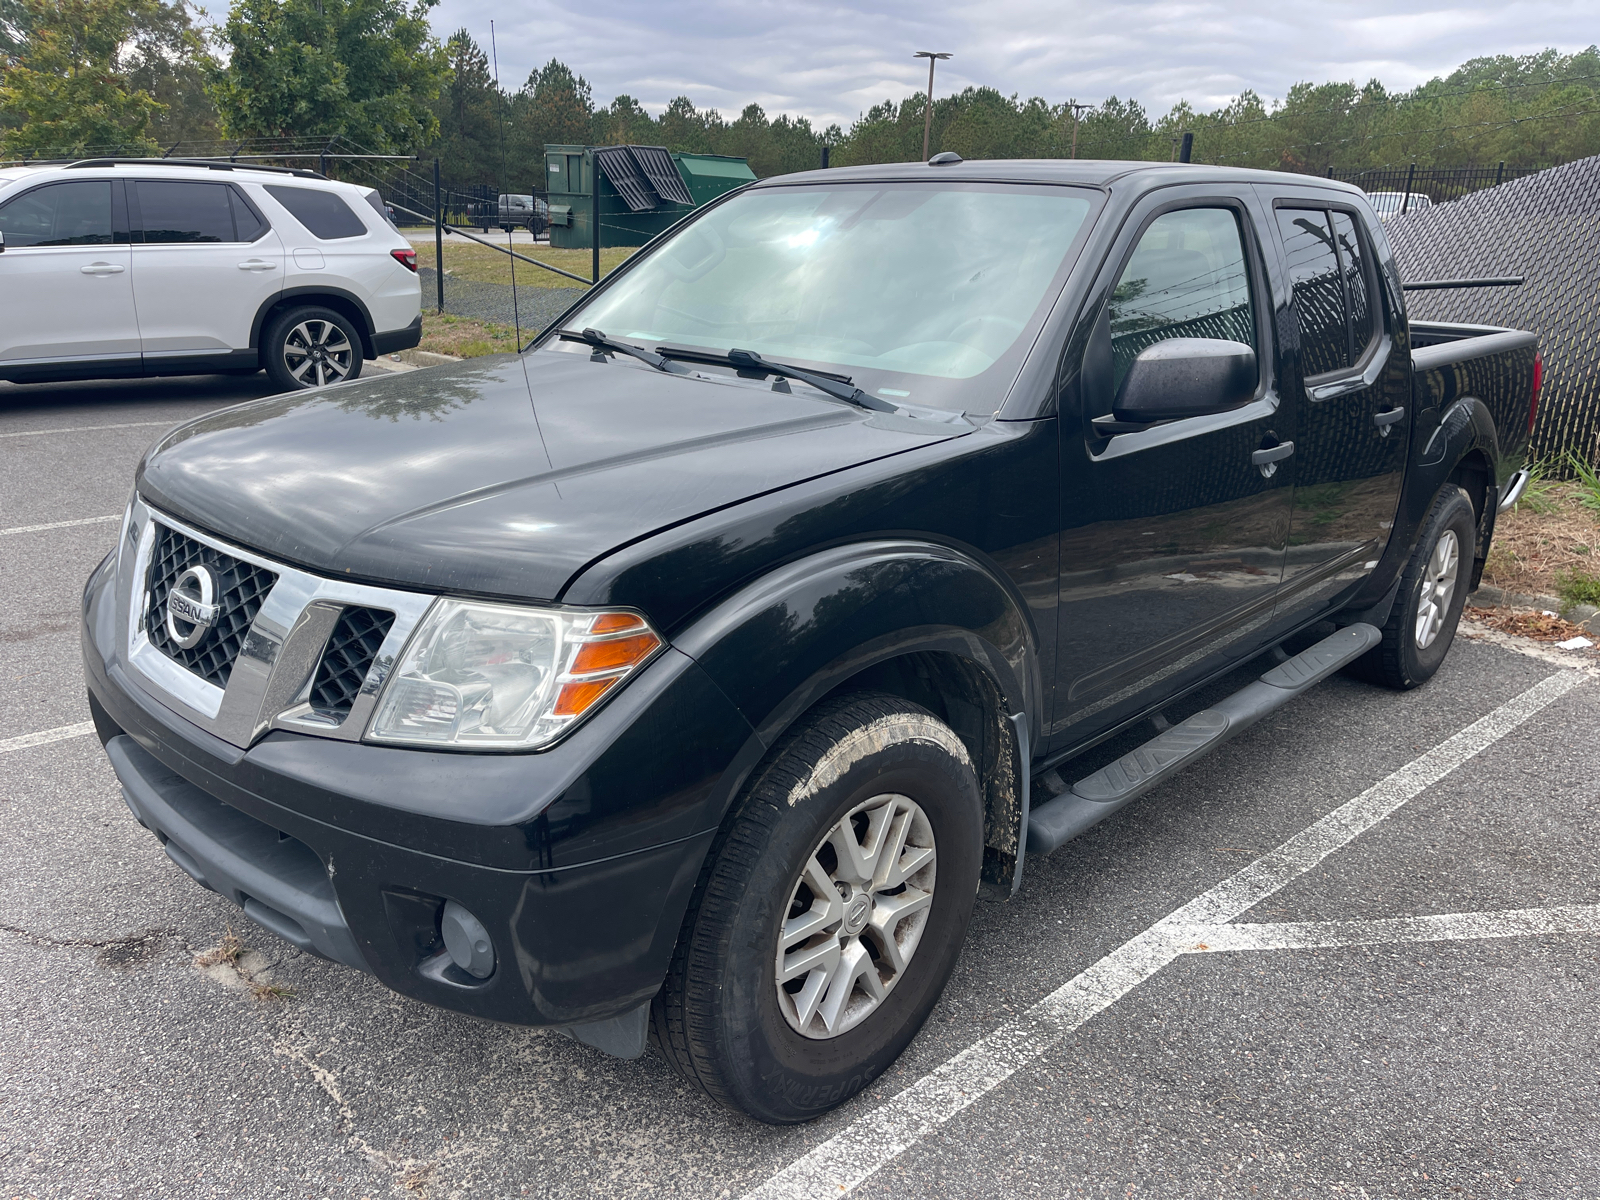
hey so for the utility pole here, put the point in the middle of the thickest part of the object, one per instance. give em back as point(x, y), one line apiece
point(932, 56)
point(1077, 114)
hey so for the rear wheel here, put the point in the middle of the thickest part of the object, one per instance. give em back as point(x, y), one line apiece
point(310, 347)
point(830, 914)
point(1433, 590)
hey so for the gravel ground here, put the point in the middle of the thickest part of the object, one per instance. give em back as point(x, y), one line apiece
point(1442, 1069)
point(493, 301)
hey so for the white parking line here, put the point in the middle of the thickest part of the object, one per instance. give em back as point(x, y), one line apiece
point(87, 428)
point(1442, 927)
point(876, 1138)
point(59, 524)
point(45, 736)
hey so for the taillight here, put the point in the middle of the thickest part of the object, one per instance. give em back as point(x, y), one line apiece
point(406, 258)
point(1533, 398)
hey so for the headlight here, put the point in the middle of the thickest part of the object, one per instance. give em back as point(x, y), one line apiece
point(503, 675)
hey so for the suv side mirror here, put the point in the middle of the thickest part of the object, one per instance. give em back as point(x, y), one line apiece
point(1186, 377)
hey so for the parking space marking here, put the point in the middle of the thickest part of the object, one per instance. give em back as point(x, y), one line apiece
point(876, 1138)
point(46, 736)
point(59, 524)
point(1441, 927)
point(88, 428)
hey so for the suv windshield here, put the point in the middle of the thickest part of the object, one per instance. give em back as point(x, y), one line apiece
point(906, 288)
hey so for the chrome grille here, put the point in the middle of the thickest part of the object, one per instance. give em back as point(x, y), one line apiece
point(351, 649)
point(242, 587)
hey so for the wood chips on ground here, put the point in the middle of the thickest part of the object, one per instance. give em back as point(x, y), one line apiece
point(1526, 622)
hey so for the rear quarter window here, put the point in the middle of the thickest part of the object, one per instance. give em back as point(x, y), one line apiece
point(325, 214)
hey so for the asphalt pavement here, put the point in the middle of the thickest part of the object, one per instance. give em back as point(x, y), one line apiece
point(1355, 952)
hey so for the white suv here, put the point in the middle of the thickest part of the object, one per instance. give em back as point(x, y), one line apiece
point(115, 268)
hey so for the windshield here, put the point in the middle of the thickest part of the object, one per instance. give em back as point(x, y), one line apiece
point(927, 293)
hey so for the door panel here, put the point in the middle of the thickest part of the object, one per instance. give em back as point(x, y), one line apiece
point(1173, 538)
point(66, 288)
point(204, 264)
point(1350, 380)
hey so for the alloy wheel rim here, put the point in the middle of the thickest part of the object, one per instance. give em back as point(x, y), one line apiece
point(1438, 587)
point(317, 353)
point(855, 916)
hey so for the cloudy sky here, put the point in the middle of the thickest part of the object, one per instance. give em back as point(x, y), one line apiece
point(831, 62)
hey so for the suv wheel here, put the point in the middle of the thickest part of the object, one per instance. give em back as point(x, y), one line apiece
point(830, 914)
point(309, 347)
point(1433, 590)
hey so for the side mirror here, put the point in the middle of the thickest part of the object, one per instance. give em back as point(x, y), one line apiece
point(1185, 377)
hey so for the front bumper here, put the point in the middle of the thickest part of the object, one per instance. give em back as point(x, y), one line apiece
point(583, 894)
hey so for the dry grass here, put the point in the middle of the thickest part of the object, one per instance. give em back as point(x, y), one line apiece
point(231, 954)
point(1548, 545)
point(481, 264)
point(465, 337)
point(224, 953)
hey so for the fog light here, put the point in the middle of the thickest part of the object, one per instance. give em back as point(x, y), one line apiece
point(467, 941)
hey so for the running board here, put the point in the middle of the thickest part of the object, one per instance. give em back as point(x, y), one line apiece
point(1097, 796)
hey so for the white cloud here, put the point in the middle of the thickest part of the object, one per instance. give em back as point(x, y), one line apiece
point(830, 62)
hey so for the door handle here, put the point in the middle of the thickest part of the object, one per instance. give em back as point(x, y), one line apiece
point(102, 269)
point(1385, 421)
point(257, 264)
point(1269, 458)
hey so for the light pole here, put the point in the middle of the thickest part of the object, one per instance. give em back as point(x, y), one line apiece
point(1077, 113)
point(927, 120)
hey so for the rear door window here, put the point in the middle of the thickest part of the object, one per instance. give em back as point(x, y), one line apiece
point(1357, 291)
point(1318, 290)
point(1186, 279)
point(60, 214)
point(176, 212)
point(324, 214)
point(247, 222)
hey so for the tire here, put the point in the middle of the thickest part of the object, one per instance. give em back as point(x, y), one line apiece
point(785, 1054)
point(1422, 626)
point(290, 342)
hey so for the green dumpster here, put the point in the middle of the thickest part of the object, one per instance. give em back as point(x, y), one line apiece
point(643, 190)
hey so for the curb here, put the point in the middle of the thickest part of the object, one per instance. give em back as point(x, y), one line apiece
point(1585, 616)
point(427, 358)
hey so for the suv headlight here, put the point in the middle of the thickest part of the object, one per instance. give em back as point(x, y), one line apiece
point(506, 676)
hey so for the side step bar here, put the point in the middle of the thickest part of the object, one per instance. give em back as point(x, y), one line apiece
point(1097, 796)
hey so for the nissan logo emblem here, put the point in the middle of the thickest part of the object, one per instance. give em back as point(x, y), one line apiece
point(191, 608)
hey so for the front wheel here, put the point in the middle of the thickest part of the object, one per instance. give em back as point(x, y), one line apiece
point(1433, 590)
point(830, 915)
point(310, 347)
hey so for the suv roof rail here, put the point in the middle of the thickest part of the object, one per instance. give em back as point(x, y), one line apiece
point(212, 164)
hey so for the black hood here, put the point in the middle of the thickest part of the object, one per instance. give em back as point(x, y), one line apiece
point(501, 476)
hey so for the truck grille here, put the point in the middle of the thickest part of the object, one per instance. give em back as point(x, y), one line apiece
point(352, 647)
point(242, 587)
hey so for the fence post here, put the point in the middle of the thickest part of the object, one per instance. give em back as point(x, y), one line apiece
point(438, 237)
point(825, 158)
point(1187, 148)
point(1330, 170)
point(1500, 173)
point(1411, 178)
point(594, 206)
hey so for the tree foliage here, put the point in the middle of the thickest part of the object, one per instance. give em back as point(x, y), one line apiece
point(367, 70)
point(66, 88)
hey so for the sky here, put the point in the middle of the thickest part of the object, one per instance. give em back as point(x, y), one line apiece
point(830, 62)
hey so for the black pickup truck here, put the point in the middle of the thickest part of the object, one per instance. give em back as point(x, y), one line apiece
point(683, 678)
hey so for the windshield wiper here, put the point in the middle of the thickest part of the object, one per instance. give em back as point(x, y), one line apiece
point(749, 360)
point(601, 341)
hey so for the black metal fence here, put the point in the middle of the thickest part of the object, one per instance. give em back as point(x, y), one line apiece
point(1440, 184)
point(1545, 227)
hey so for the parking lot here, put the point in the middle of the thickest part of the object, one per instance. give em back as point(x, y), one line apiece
point(1354, 952)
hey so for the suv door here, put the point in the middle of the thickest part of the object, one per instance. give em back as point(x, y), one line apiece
point(1173, 536)
point(66, 290)
point(205, 263)
point(1349, 380)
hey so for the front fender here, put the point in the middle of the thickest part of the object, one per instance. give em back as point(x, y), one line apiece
point(783, 642)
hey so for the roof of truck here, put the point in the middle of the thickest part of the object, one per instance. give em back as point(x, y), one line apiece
point(1087, 171)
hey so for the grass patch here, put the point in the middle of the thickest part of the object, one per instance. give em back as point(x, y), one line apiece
point(465, 337)
point(1578, 587)
point(481, 264)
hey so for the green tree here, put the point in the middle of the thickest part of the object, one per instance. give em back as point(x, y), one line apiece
point(169, 60)
point(367, 70)
point(65, 89)
point(469, 112)
point(555, 107)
